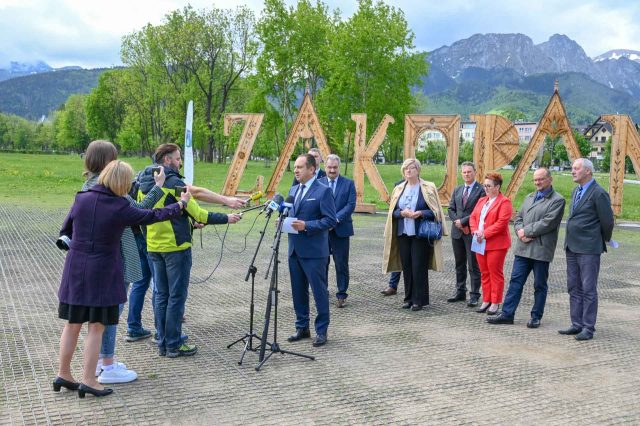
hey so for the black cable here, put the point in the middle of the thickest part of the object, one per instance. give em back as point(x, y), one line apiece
point(222, 241)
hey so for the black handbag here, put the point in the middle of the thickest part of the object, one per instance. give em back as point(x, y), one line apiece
point(430, 230)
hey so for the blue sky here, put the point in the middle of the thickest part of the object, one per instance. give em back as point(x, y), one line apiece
point(88, 32)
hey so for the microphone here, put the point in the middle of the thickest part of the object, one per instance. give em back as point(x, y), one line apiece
point(286, 206)
point(256, 196)
point(273, 204)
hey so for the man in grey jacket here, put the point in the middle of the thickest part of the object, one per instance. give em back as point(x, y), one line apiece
point(589, 227)
point(536, 225)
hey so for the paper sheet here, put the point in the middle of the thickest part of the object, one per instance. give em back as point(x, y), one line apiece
point(477, 247)
point(287, 225)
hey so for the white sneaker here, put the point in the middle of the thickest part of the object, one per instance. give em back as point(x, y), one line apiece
point(118, 374)
point(99, 366)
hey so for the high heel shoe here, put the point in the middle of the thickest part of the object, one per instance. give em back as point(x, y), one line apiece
point(84, 389)
point(483, 310)
point(59, 382)
point(490, 312)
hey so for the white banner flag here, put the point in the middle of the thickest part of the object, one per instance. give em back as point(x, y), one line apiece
point(188, 147)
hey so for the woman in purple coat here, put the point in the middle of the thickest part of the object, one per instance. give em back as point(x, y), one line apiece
point(91, 288)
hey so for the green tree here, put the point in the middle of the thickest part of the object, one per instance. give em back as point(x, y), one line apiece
point(71, 129)
point(372, 67)
point(106, 106)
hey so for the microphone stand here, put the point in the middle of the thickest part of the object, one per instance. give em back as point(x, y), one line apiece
point(272, 301)
point(248, 337)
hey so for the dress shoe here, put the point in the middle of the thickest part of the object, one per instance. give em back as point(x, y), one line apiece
point(472, 303)
point(389, 291)
point(406, 305)
point(301, 333)
point(493, 311)
point(584, 335)
point(341, 303)
point(458, 297)
point(571, 330)
point(320, 340)
point(416, 307)
point(499, 319)
point(482, 310)
point(84, 389)
point(533, 323)
point(59, 382)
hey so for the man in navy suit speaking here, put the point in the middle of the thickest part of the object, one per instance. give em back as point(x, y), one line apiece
point(344, 195)
point(315, 213)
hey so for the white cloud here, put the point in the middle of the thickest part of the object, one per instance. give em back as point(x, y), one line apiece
point(88, 33)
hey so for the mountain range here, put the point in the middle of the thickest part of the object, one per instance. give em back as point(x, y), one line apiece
point(489, 72)
point(481, 74)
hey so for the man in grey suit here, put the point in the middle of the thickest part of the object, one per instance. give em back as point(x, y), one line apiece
point(589, 227)
point(464, 199)
point(537, 225)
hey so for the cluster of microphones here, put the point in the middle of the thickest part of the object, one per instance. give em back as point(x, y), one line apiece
point(277, 203)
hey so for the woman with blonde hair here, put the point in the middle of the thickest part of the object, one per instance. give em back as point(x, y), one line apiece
point(413, 201)
point(91, 287)
point(489, 222)
point(99, 153)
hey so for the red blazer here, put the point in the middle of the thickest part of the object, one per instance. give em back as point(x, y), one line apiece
point(496, 222)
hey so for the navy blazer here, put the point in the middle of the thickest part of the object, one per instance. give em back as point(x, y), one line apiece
point(93, 274)
point(421, 206)
point(318, 211)
point(345, 200)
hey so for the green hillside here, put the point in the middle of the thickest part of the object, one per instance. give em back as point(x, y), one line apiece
point(36, 95)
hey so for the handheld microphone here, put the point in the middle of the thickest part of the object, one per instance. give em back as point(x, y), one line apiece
point(286, 206)
point(256, 196)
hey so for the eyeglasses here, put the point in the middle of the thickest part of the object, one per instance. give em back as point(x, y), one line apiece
point(411, 168)
point(489, 186)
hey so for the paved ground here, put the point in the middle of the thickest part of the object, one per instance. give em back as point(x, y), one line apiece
point(443, 365)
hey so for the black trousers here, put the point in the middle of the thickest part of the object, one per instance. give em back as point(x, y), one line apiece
point(415, 255)
point(466, 261)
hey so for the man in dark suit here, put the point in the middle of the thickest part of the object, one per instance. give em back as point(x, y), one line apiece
point(589, 227)
point(315, 213)
point(537, 225)
point(344, 195)
point(319, 172)
point(464, 199)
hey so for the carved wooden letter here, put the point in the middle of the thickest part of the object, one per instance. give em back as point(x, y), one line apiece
point(363, 160)
point(305, 126)
point(449, 126)
point(554, 122)
point(253, 122)
point(495, 143)
point(625, 141)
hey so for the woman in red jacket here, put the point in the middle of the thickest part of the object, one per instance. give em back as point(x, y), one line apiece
point(490, 222)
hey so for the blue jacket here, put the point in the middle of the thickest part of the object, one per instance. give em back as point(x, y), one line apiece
point(318, 211)
point(345, 200)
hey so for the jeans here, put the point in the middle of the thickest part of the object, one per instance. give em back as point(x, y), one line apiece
point(108, 348)
point(139, 288)
point(522, 267)
point(171, 273)
point(394, 279)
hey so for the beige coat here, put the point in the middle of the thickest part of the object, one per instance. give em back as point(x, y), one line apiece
point(391, 256)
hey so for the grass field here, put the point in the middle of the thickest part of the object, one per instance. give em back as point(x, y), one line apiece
point(51, 181)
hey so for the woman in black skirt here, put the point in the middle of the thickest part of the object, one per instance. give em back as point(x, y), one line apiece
point(91, 288)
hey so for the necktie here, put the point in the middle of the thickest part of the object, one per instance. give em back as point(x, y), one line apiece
point(332, 184)
point(465, 196)
point(538, 197)
point(296, 203)
point(578, 196)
